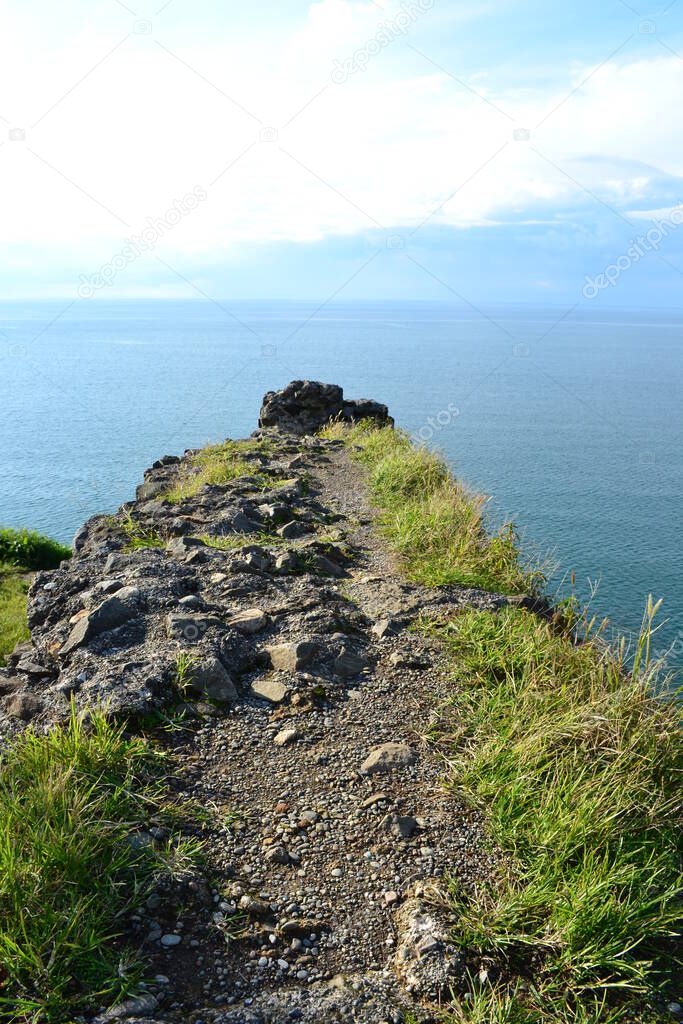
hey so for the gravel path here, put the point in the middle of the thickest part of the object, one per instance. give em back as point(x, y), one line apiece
point(317, 856)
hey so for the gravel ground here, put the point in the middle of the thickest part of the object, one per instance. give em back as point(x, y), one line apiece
point(312, 856)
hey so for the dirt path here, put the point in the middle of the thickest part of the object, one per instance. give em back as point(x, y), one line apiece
point(317, 856)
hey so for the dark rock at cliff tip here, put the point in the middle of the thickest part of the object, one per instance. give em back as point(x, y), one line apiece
point(303, 406)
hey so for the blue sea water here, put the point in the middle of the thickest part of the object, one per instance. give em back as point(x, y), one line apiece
point(573, 422)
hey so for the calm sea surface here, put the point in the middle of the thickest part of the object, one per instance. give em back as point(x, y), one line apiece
point(575, 427)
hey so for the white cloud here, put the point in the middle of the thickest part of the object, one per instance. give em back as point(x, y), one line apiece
point(388, 147)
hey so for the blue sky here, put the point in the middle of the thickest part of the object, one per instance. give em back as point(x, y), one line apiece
point(421, 149)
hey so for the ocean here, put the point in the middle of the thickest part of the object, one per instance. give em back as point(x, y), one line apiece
point(571, 421)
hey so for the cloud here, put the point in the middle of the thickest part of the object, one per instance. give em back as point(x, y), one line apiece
point(286, 154)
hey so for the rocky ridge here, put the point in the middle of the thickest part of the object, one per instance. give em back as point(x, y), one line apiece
point(265, 622)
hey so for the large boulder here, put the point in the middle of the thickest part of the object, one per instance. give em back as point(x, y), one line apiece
point(303, 406)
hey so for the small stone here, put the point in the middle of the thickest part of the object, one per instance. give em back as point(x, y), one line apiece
point(390, 897)
point(189, 627)
point(277, 855)
point(290, 531)
point(348, 664)
point(170, 940)
point(385, 627)
point(286, 562)
point(25, 706)
point(271, 690)
point(135, 1007)
point(293, 656)
point(211, 679)
point(254, 907)
point(251, 620)
point(180, 546)
point(404, 825)
point(110, 614)
point(286, 736)
point(387, 757)
point(403, 659)
point(374, 798)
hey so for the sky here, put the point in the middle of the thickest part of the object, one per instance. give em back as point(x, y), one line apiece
point(498, 151)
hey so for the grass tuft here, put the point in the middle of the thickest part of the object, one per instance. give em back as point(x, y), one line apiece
point(576, 764)
point(13, 624)
point(139, 536)
point(432, 520)
point(69, 801)
point(28, 550)
point(215, 464)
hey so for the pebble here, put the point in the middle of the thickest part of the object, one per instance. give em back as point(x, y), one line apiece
point(170, 940)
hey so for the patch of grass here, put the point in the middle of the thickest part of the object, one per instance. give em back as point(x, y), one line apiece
point(184, 672)
point(431, 519)
point(139, 536)
point(13, 625)
point(69, 801)
point(523, 1004)
point(576, 764)
point(234, 541)
point(26, 549)
point(216, 464)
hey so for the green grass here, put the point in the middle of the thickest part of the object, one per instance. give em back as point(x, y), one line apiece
point(432, 520)
point(234, 541)
point(21, 552)
point(13, 625)
point(29, 550)
point(68, 802)
point(138, 536)
point(576, 764)
point(216, 464)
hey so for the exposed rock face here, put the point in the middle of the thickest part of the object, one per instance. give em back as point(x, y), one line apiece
point(306, 405)
point(289, 665)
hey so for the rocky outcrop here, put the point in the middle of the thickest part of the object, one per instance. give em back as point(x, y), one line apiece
point(264, 624)
point(306, 405)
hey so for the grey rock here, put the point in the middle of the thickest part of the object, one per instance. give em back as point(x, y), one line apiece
point(286, 736)
point(277, 855)
point(24, 706)
point(404, 659)
point(403, 825)
point(292, 657)
point(286, 562)
point(111, 614)
point(271, 690)
point(290, 531)
point(387, 757)
point(180, 546)
point(303, 406)
point(423, 961)
point(211, 679)
point(251, 620)
point(348, 664)
point(386, 627)
point(324, 566)
point(189, 627)
point(130, 1008)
